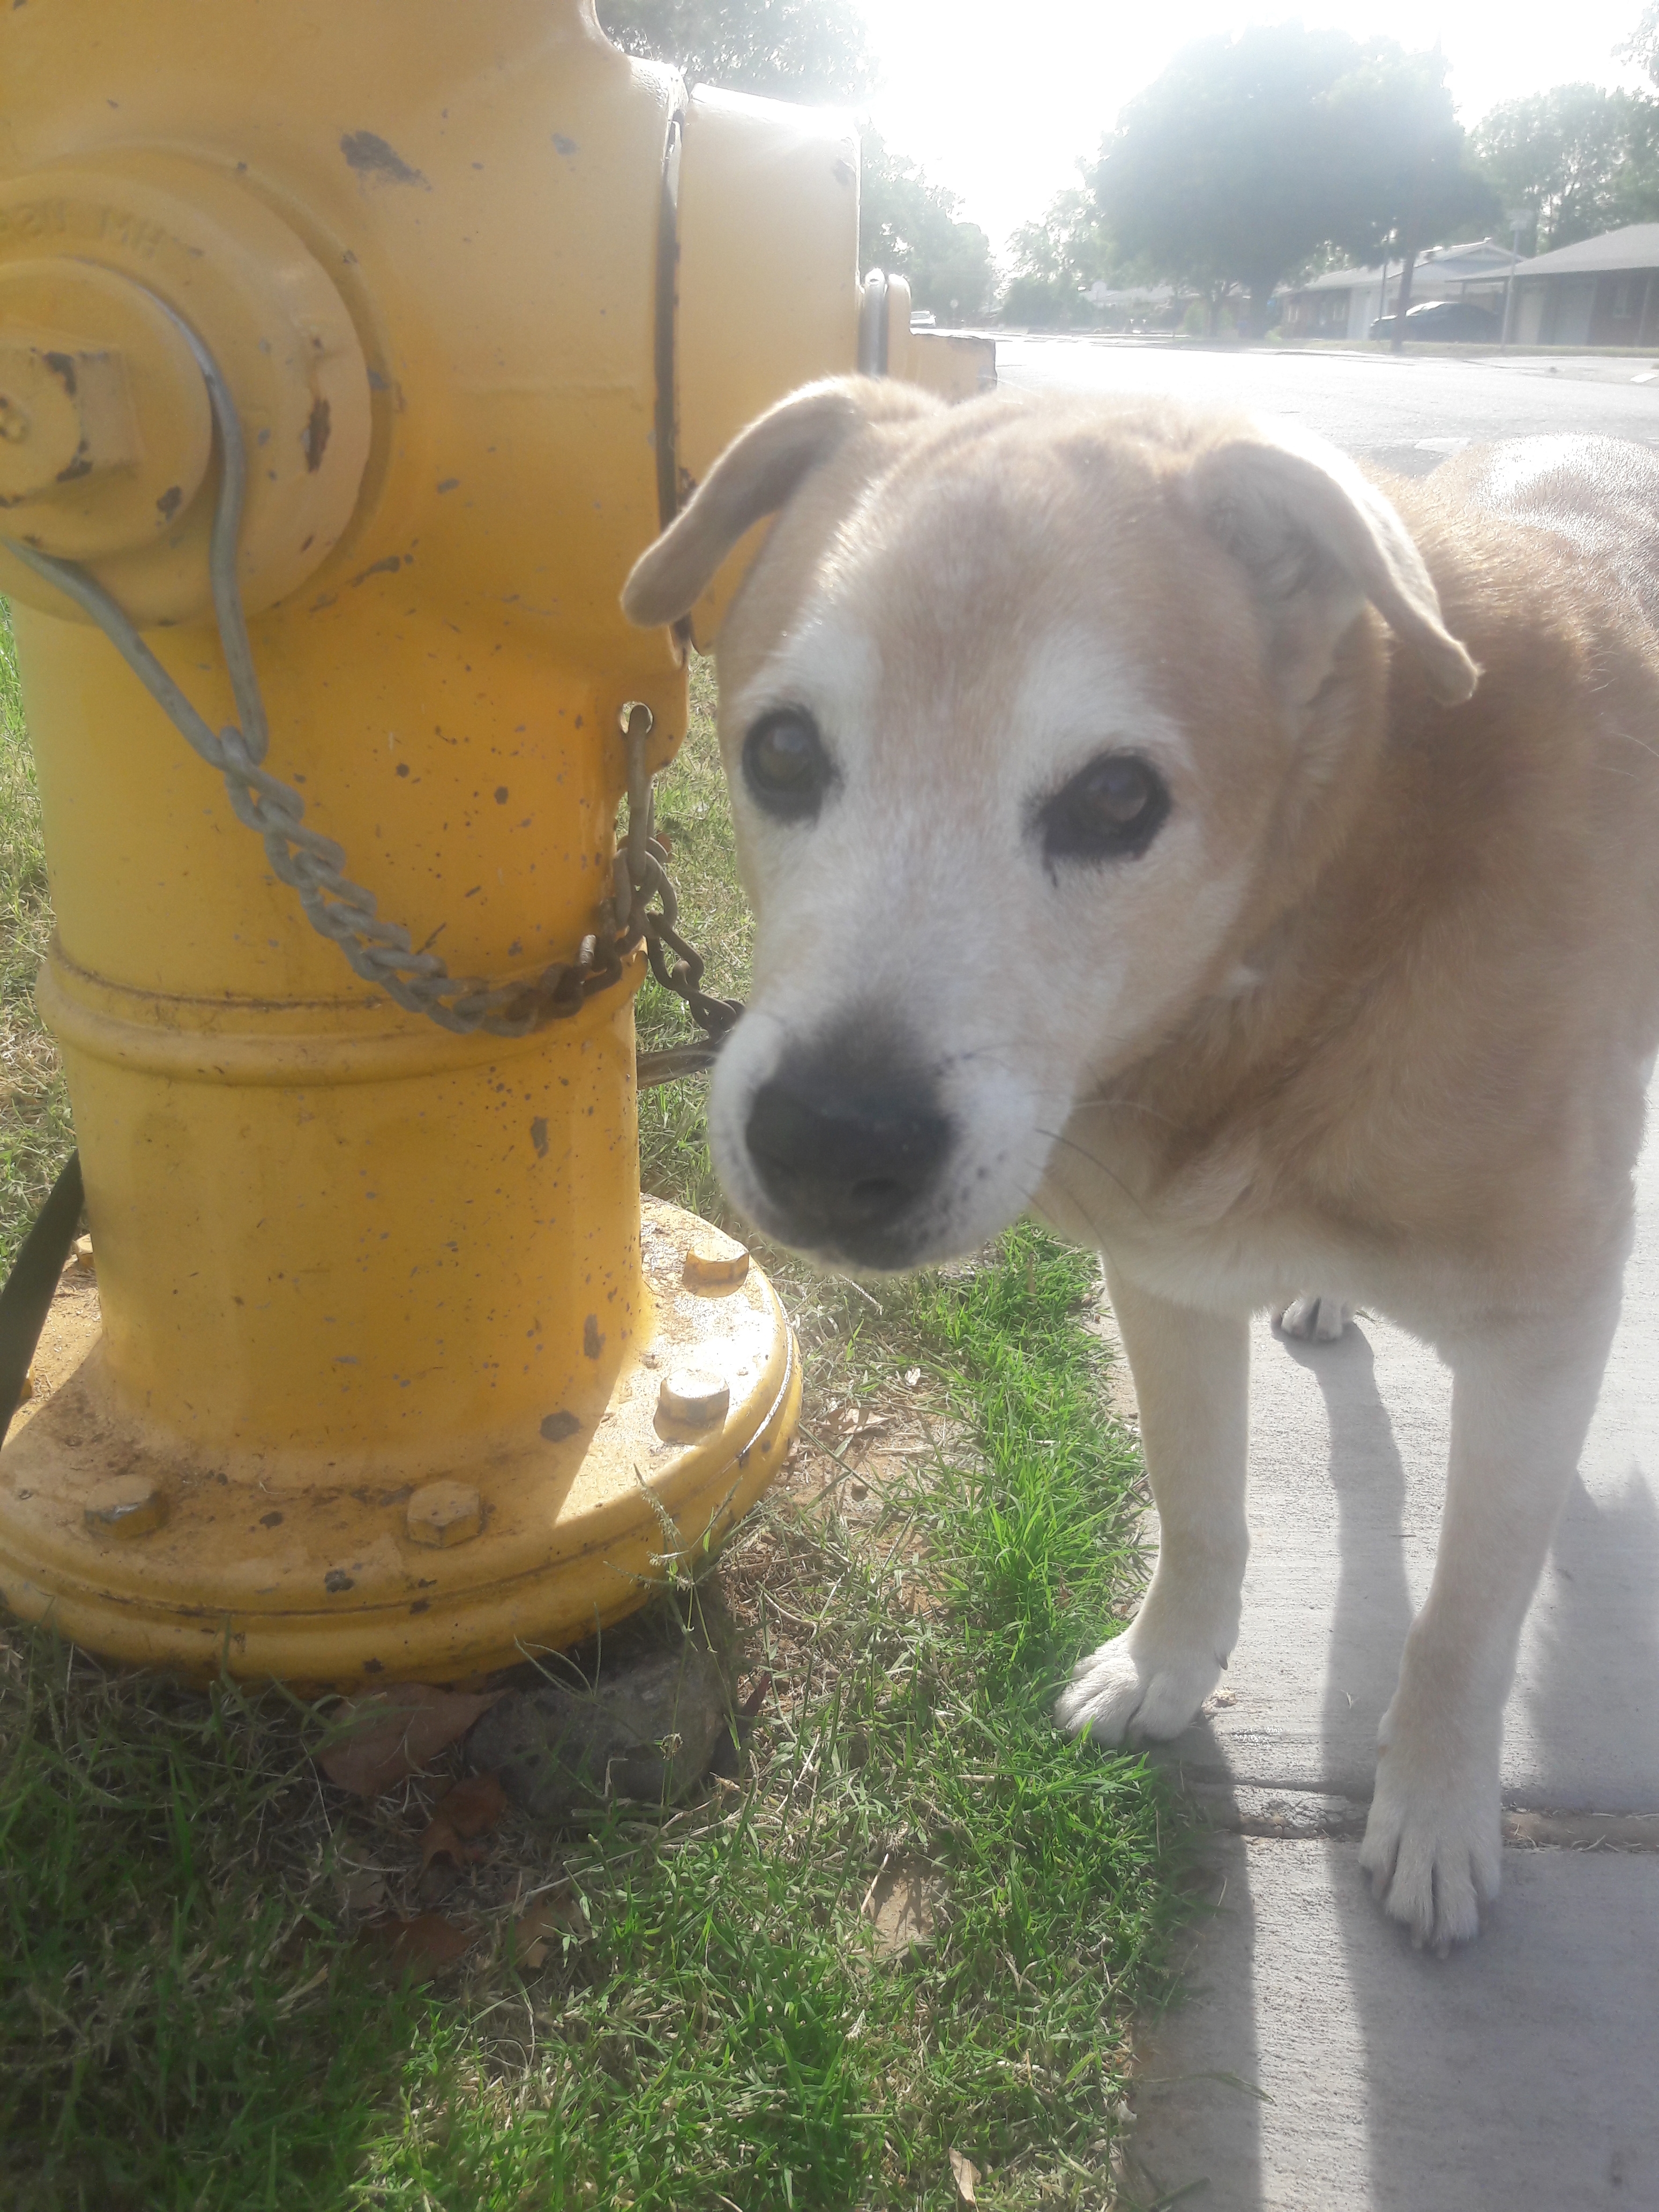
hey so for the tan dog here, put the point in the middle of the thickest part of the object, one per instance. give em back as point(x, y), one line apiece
point(1130, 837)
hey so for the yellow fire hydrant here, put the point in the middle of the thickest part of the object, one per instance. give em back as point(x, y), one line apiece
point(393, 1380)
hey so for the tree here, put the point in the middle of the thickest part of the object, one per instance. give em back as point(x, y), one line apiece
point(1056, 258)
point(1584, 160)
point(806, 50)
point(1642, 47)
point(911, 229)
point(1408, 177)
point(1248, 155)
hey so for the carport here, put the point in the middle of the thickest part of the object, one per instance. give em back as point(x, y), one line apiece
point(1600, 292)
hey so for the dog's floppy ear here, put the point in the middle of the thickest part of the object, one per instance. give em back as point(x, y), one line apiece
point(760, 471)
point(1317, 538)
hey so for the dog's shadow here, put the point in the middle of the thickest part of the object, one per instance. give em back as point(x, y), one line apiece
point(1373, 1606)
point(1582, 1723)
point(1583, 1734)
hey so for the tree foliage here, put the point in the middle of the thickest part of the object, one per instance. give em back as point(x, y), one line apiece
point(1055, 259)
point(911, 229)
point(1642, 47)
point(806, 50)
point(1584, 161)
point(1250, 153)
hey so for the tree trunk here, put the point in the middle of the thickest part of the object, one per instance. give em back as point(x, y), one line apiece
point(1408, 264)
point(1410, 240)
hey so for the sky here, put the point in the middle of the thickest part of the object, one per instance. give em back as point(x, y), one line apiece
point(1001, 118)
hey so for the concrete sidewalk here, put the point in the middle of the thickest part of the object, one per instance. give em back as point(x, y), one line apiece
point(1317, 2060)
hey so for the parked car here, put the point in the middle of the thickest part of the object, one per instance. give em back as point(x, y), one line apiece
point(1444, 319)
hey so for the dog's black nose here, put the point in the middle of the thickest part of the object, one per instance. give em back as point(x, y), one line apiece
point(845, 1154)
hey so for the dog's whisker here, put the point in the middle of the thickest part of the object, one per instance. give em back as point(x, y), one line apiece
point(1052, 1171)
point(1059, 1137)
point(1130, 1106)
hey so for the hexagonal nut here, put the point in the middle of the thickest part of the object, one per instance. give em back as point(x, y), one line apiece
point(441, 1514)
point(81, 1257)
point(715, 1263)
point(693, 1399)
point(125, 1505)
point(65, 412)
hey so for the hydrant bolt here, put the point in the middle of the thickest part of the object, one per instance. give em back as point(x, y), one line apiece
point(441, 1514)
point(129, 1505)
point(715, 1263)
point(693, 1398)
point(65, 413)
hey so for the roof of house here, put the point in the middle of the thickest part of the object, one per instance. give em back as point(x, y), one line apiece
point(1453, 265)
point(1634, 246)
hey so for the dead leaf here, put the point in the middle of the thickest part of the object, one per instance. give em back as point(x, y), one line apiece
point(471, 1809)
point(558, 1913)
point(417, 1949)
point(364, 1890)
point(396, 1731)
point(912, 1377)
point(965, 2176)
point(757, 1698)
point(848, 1420)
point(900, 1904)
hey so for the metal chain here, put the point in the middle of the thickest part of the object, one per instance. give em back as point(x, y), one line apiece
point(380, 951)
point(646, 857)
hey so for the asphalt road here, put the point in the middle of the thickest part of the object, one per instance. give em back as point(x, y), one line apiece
point(1406, 413)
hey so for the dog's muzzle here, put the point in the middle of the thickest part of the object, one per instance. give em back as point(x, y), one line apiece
point(847, 1163)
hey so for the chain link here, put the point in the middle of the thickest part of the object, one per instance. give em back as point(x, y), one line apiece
point(381, 951)
point(646, 861)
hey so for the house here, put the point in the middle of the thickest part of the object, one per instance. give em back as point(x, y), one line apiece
point(1603, 292)
point(1136, 306)
point(1344, 303)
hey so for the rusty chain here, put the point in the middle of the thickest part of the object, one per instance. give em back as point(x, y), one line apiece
point(382, 951)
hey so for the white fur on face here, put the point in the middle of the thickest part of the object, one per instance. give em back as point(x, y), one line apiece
point(919, 916)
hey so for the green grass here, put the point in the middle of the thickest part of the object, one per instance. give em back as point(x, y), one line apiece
point(189, 2021)
point(35, 1132)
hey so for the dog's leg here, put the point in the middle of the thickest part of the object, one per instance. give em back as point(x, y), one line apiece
point(1523, 1394)
point(1191, 1374)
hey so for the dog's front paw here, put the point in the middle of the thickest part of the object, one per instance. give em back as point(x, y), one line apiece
point(1315, 1320)
point(1121, 1694)
point(1433, 1847)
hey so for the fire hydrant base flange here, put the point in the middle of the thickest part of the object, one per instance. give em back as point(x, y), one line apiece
point(319, 1578)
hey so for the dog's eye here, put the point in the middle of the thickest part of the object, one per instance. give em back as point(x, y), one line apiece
point(785, 765)
point(1112, 810)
